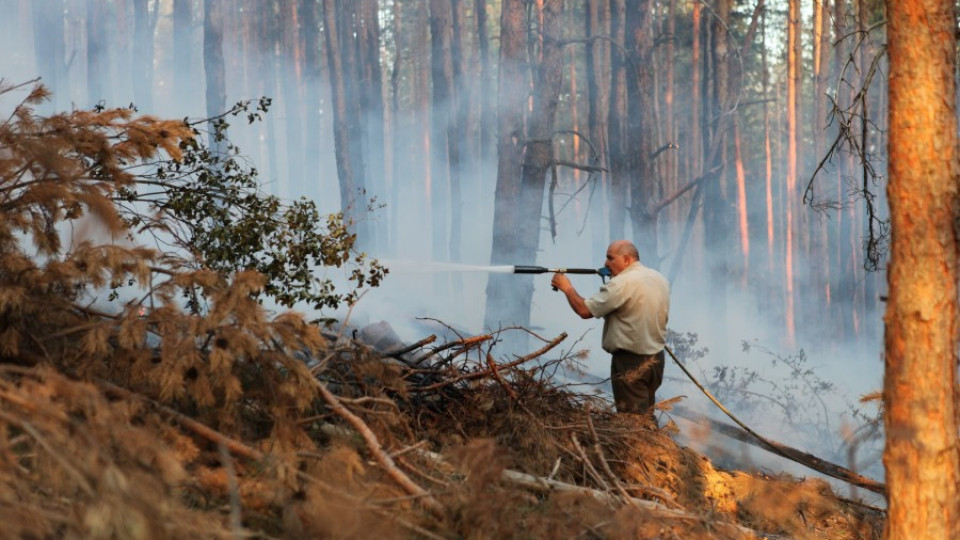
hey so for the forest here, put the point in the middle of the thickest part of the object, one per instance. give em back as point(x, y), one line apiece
point(747, 148)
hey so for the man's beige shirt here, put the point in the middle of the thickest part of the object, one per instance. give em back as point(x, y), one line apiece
point(634, 305)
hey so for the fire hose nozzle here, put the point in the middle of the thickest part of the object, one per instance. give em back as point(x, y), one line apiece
point(603, 271)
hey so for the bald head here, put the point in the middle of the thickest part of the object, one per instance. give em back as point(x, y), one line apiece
point(625, 248)
point(620, 255)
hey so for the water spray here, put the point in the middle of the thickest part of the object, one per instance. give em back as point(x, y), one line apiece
point(432, 266)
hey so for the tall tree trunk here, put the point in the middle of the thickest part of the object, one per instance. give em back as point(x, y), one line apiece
point(182, 49)
point(524, 159)
point(445, 145)
point(743, 224)
point(718, 209)
point(767, 151)
point(345, 118)
point(213, 65)
point(49, 49)
point(505, 294)
point(290, 83)
point(619, 149)
point(266, 62)
point(671, 160)
point(486, 104)
point(793, 128)
point(141, 63)
point(598, 66)
point(921, 456)
point(97, 54)
point(462, 160)
point(645, 189)
point(313, 135)
point(695, 155)
point(370, 84)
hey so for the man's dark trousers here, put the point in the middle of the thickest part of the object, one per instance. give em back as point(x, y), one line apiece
point(635, 378)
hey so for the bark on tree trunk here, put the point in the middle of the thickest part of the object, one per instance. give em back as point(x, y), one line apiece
point(182, 49)
point(921, 457)
point(49, 49)
point(97, 53)
point(645, 190)
point(213, 65)
point(793, 81)
point(598, 66)
point(350, 172)
point(445, 145)
point(141, 68)
point(520, 188)
point(617, 195)
point(313, 142)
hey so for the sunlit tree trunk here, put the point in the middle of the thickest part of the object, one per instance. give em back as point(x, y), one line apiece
point(793, 81)
point(618, 137)
point(819, 231)
point(921, 456)
point(695, 155)
point(743, 226)
point(767, 151)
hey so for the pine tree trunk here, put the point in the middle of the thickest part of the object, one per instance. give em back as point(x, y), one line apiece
point(313, 141)
point(617, 194)
point(182, 49)
point(97, 54)
point(793, 128)
point(141, 68)
point(920, 385)
point(49, 50)
point(370, 83)
point(344, 119)
point(213, 65)
point(598, 65)
point(644, 185)
point(520, 188)
point(441, 34)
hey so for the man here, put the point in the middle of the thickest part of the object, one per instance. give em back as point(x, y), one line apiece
point(634, 305)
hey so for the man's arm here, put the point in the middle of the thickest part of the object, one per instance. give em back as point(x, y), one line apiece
point(576, 301)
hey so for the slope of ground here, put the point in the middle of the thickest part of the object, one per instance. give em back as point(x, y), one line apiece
point(337, 440)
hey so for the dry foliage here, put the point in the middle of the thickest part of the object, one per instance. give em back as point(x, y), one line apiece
point(237, 423)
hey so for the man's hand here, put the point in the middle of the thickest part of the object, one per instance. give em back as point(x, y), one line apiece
point(561, 282)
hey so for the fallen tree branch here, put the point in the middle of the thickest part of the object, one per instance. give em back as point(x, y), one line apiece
point(373, 445)
point(485, 373)
point(782, 450)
